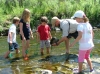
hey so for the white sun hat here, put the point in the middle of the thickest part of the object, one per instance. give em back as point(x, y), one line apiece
point(79, 14)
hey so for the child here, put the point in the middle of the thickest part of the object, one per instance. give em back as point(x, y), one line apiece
point(12, 37)
point(85, 38)
point(25, 32)
point(44, 35)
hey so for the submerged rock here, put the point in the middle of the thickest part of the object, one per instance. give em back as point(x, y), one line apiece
point(59, 58)
point(6, 71)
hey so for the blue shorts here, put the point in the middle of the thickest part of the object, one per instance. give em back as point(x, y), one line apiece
point(13, 47)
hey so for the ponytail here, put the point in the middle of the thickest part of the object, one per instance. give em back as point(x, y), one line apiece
point(85, 19)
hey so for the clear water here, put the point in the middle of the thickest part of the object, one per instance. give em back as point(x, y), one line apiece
point(55, 61)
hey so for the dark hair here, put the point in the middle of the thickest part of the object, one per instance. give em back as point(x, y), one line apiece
point(44, 19)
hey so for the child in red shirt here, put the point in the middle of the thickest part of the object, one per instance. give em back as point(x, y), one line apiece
point(44, 35)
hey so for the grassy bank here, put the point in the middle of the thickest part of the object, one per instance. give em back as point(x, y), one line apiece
point(49, 8)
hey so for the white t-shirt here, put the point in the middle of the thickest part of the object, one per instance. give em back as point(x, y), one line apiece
point(86, 42)
point(64, 25)
point(13, 30)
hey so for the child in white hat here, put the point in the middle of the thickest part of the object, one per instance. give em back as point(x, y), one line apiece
point(85, 39)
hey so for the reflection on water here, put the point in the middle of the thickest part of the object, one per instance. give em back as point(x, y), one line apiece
point(57, 62)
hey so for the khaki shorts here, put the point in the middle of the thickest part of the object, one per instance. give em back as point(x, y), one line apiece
point(44, 43)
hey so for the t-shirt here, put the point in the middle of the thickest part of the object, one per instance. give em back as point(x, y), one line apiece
point(64, 25)
point(86, 42)
point(13, 30)
point(43, 30)
point(26, 27)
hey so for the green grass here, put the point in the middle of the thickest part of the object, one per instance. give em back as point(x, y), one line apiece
point(49, 8)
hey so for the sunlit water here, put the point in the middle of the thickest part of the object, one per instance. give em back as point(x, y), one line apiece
point(56, 62)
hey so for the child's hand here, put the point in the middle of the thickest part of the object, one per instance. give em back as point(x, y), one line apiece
point(24, 38)
point(54, 44)
point(71, 45)
point(10, 42)
point(32, 37)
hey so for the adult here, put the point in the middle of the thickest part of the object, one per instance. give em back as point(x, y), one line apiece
point(69, 29)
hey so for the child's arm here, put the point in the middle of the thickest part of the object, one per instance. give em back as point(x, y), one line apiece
point(77, 39)
point(10, 37)
point(92, 34)
point(50, 36)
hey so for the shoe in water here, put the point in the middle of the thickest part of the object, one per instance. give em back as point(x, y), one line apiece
point(76, 71)
point(25, 58)
point(11, 55)
point(92, 71)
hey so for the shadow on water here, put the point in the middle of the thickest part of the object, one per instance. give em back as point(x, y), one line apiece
point(59, 58)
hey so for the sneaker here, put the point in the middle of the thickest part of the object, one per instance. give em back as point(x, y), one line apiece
point(91, 70)
point(75, 70)
point(11, 55)
point(25, 58)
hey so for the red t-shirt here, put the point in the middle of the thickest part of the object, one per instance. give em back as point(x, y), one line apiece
point(43, 30)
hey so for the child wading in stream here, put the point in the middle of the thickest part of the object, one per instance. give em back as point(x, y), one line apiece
point(44, 35)
point(85, 39)
point(25, 32)
point(12, 38)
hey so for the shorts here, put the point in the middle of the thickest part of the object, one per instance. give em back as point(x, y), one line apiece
point(26, 36)
point(13, 47)
point(84, 54)
point(44, 43)
point(74, 35)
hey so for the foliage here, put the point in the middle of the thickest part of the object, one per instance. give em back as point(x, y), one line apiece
point(49, 8)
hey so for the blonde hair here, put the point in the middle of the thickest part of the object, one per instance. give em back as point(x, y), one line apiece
point(85, 19)
point(26, 15)
point(15, 19)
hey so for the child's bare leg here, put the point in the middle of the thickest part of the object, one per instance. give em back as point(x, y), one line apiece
point(6, 55)
point(23, 48)
point(17, 51)
point(80, 66)
point(42, 53)
point(48, 50)
point(67, 45)
point(89, 63)
point(27, 46)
